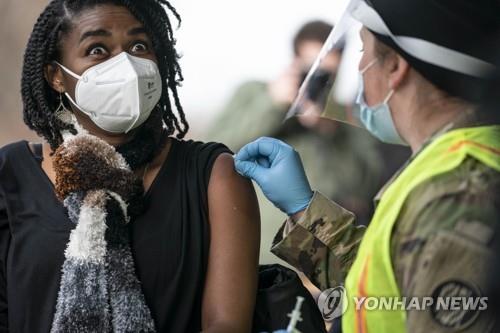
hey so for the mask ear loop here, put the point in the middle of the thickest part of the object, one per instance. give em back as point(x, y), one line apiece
point(368, 66)
point(70, 72)
point(78, 77)
point(386, 100)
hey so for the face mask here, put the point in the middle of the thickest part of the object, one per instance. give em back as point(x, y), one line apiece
point(118, 94)
point(377, 119)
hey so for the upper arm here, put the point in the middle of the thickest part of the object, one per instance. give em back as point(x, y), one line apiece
point(452, 266)
point(231, 282)
point(442, 246)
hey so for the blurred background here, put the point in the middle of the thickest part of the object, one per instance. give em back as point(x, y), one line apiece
point(223, 42)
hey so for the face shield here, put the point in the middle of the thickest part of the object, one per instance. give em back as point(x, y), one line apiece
point(331, 96)
point(334, 97)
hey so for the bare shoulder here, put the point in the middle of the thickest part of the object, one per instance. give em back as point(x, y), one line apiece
point(224, 175)
point(229, 190)
point(231, 196)
point(224, 166)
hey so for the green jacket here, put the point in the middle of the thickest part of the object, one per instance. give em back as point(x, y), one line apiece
point(444, 233)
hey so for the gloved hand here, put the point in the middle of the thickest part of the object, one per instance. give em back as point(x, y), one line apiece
point(277, 169)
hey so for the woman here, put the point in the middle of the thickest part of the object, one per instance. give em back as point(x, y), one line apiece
point(432, 231)
point(113, 224)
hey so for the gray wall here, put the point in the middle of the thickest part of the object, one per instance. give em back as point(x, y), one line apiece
point(16, 22)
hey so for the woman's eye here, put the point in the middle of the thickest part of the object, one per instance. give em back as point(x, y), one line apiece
point(139, 47)
point(98, 50)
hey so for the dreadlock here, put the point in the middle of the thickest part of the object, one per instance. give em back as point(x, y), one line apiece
point(44, 47)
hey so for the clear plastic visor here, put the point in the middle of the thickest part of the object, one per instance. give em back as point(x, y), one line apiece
point(332, 95)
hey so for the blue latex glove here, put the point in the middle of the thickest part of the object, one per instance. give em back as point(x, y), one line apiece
point(276, 167)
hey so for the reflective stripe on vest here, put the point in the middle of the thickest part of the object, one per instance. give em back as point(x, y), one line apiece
point(372, 274)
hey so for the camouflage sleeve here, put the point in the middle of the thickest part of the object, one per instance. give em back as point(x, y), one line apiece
point(442, 248)
point(322, 244)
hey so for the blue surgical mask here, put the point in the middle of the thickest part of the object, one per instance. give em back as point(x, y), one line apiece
point(377, 119)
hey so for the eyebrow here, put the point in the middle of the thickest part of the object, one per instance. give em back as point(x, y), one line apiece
point(93, 33)
point(106, 33)
point(136, 31)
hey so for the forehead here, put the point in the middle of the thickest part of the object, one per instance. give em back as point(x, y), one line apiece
point(106, 17)
point(309, 50)
point(365, 34)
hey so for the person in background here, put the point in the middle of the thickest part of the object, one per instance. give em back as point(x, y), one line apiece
point(257, 107)
point(342, 162)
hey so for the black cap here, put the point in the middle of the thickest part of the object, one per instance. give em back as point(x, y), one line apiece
point(468, 26)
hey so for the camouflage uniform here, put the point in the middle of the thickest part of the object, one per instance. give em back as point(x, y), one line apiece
point(442, 238)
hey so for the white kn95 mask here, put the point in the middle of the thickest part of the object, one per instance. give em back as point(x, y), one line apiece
point(119, 94)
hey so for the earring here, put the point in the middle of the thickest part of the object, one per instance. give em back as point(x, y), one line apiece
point(61, 108)
point(63, 113)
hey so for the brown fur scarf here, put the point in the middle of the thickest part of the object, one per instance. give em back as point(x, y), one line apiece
point(99, 289)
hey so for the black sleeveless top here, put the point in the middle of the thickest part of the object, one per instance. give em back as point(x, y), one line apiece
point(170, 241)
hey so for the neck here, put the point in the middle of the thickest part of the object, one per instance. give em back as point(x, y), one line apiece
point(422, 120)
point(139, 146)
point(114, 140)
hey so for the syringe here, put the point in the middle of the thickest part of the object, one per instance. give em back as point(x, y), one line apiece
point(295, 316)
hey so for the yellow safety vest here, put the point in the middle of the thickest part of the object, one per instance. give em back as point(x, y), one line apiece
point(372, 273)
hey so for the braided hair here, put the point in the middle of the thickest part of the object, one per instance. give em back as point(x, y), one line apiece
point(44, 47)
